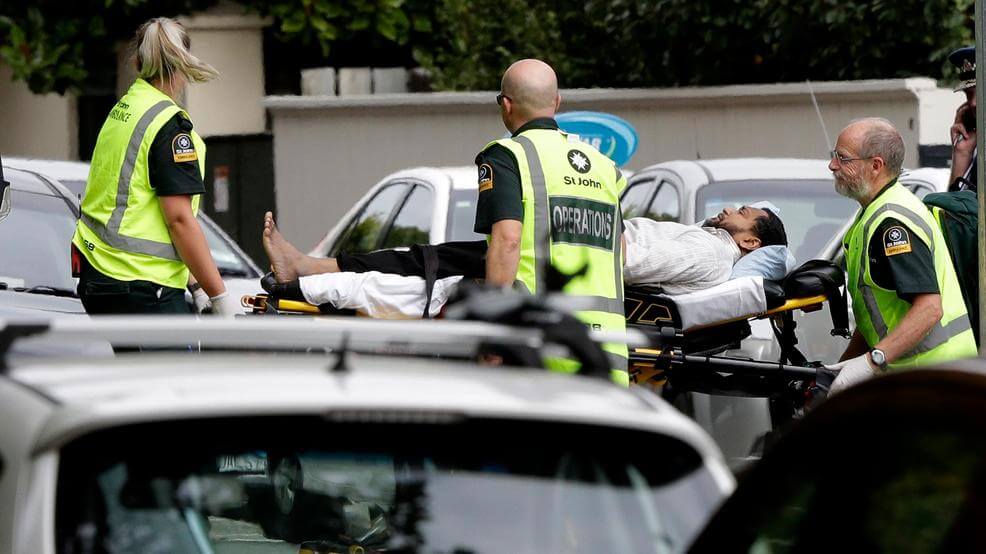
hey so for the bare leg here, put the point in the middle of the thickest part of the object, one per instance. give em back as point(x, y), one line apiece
point(287, 262)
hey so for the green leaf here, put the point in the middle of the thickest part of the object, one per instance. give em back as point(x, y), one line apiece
point(422, 24)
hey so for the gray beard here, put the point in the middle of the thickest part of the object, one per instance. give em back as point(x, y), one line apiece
point(856, 189)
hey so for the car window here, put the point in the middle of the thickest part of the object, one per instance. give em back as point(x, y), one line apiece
point(665, 206)
point(230, 263)
point(345, 484)
point(412, 224)
point(811, 210)
point(637, 198)
point(36, 235)
point(363, 234)
point(920, 190)
point(462, 216)
point(902, 478)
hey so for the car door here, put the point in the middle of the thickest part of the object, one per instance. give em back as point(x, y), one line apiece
point(652, 196)
point(412, 222)
point(894, 464)
point(365, 231)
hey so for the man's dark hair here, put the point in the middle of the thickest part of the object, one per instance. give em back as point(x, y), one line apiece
point(770, 229)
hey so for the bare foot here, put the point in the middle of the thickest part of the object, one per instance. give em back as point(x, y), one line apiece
point(285, 259)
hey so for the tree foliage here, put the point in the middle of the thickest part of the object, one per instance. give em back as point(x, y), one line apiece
point(465, 44)
point(644, 43)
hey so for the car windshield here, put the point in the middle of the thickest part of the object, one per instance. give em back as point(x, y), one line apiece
point(36, 234)
point(407, 482)
point(462, 216)
point(230, 263)
point(811, 210)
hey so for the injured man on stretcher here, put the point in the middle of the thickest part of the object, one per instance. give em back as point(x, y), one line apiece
point(391, 284)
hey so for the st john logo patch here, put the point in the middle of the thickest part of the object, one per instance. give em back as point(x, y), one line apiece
point(896, 240)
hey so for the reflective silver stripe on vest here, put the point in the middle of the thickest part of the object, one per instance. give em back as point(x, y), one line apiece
point(617, 362)
point(618, 258)
point(110, 233)
point(542, 240)
point(585, 303)
point(939, 334)
point(542, 233)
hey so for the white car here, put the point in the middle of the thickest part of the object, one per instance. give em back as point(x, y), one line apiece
point(424, 205)
point(434, 205)
point(240, 273)
point(344, 452)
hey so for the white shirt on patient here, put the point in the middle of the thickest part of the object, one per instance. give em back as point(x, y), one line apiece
point(680, 258)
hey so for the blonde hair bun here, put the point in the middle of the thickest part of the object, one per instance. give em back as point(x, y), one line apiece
point(161, 48)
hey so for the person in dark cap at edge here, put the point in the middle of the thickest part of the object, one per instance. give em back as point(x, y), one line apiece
point(963, 132)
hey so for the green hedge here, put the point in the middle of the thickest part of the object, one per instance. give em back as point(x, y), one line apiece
point(466, 44)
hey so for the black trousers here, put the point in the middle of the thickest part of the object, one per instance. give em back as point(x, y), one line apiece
point(103, 295)
point(465, 258)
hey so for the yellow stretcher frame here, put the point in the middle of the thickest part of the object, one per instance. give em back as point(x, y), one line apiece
point(642, 372)
point(646, 372)
point(259, 303)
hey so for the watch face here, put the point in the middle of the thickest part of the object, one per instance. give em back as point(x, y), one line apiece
point(879, 358)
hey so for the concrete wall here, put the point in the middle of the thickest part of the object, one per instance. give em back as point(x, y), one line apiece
point(232, 43)
point(36, 126)
point(47, 126)
point(328, 151)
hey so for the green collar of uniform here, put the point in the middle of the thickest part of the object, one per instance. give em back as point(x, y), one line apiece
point(884, 189)
point(862, 212)
point(539, 123)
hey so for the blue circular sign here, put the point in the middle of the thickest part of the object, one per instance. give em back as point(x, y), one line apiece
point(611, 135)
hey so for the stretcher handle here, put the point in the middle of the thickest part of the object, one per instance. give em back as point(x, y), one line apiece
point(744, 365)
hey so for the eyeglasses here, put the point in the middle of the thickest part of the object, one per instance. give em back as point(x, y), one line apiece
point(844, 160)
point(500, 97)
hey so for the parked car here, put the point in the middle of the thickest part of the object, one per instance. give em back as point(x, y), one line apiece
point(240, 273)
point(425, 205)
point(899, 458)
point(186, 453)
point(436, 205)
point(35, 273)
point(815, 219)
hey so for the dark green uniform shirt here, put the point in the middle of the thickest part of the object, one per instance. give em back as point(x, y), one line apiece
point(910, 273)
point(167, 176)
point(500, 195)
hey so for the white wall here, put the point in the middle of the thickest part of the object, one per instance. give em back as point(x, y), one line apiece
point(329, 150)
point(36, 126)
point(232, 43)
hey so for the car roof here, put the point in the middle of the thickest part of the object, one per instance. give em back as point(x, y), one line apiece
point(936, 177)
point(62, 170)
point(459, 177)
point(742, 169)
point(26, 181)
point(87, 395)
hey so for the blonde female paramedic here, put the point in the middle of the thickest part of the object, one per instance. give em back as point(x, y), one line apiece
point(138, 240)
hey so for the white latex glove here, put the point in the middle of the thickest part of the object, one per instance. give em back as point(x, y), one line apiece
point(851, 372)
point(200, 299)
point(225, 305)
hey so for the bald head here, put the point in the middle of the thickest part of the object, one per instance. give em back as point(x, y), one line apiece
point(532, 88)
point(877, 137)
point(868, 154)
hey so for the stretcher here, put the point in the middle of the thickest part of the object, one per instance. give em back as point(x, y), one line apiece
point(691, 334)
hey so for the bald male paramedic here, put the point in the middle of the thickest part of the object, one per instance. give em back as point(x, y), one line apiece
point(905, 295)
point(547, 198)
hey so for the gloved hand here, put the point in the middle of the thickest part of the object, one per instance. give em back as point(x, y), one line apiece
point(200, 299)
point(851, 372)
point(225, 305)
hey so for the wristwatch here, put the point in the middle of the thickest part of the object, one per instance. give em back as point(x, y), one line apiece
point(879, 359)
